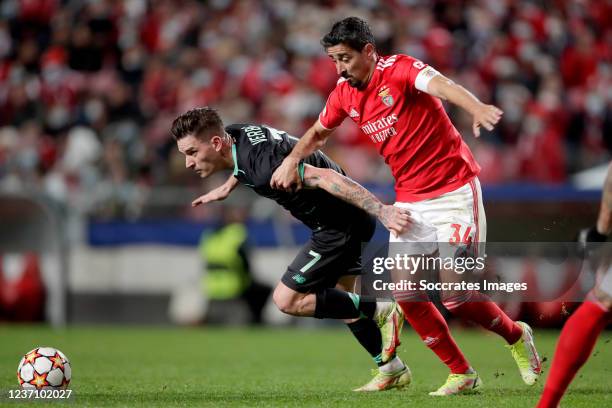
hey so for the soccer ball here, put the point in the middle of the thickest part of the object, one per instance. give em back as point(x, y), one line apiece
point(44, 368)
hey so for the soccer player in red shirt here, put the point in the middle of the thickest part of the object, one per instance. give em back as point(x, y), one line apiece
point(582, 329)
point(396, 102)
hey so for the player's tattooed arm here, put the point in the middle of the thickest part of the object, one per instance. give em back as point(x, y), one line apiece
point(218, 194)
point(396, 220)
point(286, 176)
point(483, 115)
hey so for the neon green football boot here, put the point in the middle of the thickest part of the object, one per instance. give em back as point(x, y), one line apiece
point(383, 381)
point(390, 319)
point(459, 384)
point(526, 356)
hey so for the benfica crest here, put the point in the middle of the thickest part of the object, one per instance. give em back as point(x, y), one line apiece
point(385, 95)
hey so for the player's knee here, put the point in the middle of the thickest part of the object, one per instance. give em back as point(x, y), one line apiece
point(284, 305)
point(285, 301)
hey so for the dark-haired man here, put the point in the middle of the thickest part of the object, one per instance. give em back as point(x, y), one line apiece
point(321, 279)
point(396, 102)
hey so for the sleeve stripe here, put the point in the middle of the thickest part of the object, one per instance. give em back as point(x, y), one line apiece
point(422, 79)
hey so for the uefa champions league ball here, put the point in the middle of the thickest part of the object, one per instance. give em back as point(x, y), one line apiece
point(44, 368)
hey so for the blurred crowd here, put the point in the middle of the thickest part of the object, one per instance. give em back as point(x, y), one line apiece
point(88, 89)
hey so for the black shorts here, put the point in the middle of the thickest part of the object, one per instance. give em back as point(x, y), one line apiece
point(323, 261)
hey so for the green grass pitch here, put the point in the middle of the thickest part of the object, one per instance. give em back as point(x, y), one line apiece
point(204, 366)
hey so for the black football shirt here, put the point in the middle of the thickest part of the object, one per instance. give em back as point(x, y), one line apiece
point(259, 149)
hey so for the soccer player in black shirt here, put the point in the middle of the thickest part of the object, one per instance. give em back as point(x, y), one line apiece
point(321, 279)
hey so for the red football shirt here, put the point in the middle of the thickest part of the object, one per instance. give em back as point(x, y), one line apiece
point(410, 129)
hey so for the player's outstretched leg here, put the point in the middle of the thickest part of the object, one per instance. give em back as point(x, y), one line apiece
point(479, 308)
point(335, 303)
point(363, 317)
point(392, 372)
point(576, 343)
point(429, 323)
point(379, 334)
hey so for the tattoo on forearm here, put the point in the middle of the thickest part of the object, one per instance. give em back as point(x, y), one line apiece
point(349, 191)
point(369, 205)
point(359, 196)
point(312, 181)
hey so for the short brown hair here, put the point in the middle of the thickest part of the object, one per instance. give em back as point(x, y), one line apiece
point(200, 122)
point(351, 31)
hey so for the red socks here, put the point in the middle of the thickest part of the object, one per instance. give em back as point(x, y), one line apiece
point(479, 308)
point(576, 343)
point(429, 323)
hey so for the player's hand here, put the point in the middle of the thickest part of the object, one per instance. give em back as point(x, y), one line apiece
point(396, 220)
point(286, 176)
point(218, 194)
point(486, 116)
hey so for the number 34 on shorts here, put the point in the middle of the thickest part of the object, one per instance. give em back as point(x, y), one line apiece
point(461, 234)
